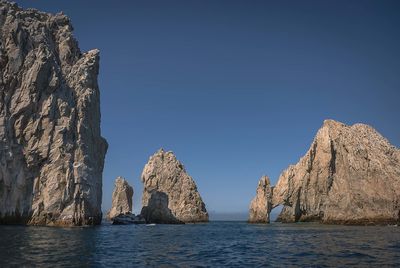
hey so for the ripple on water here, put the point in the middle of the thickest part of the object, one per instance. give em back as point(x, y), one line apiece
point(233, 244)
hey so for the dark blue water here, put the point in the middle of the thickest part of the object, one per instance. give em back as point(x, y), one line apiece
point(233, 244)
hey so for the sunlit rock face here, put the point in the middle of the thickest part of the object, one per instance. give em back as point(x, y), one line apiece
point(261, 205)
point(170, 195)
point(121, 199)
point(52, 153)
point(350, 175)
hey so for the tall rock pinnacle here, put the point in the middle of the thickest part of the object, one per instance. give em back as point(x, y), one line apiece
point(52, 153)
point(170, 195)
point(261, 205)
point(121, 198)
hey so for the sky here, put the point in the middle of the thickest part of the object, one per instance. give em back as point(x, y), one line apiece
point(236, 89)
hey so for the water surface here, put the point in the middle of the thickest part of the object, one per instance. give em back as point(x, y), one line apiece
point(233, 244)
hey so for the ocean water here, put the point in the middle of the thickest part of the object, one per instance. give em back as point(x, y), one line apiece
point(216, 244)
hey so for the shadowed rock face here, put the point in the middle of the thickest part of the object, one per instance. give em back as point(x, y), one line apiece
point(261, 205)
point(157, 210)
point(350, 175)
point(52, 154)
point(121, 198)
point(170, 195)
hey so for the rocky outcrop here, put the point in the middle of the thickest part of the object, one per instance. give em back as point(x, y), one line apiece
point(121, 199)
point(128, 218)
point(121, 210)
point(261, 205)
point(52, 154)
point(350, 175)
point(170, 195)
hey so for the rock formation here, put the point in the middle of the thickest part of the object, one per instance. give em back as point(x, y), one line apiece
point(261, 205)
point(170, 195)
point(350, 175)
point(52, 154)
point(121, 199)
point(128, 218)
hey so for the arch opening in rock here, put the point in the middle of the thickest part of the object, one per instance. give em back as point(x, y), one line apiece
point(275, 212)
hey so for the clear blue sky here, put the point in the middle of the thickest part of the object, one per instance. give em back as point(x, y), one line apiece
point(236, 89)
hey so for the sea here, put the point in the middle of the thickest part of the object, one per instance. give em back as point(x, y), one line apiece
point(214, 244)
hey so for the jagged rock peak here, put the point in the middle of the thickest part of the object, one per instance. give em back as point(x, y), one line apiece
point(261, 205)
point(52, 153)
point(350, 174)
point(170, 195)
point(121, 198)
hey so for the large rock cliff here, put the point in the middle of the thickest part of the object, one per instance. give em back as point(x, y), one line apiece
point(350, 175)
point(170, 195)
point(52, 154)
point(121, 199)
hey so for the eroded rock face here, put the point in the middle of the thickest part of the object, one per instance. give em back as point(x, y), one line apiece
point(350, 175)
point(170, 195)
point(261, 205)
point(121, 199)
point(52, 153)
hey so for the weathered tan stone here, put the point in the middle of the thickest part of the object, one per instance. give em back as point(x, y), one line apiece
point(350, 175)
point(121, 199)
point(51, 150)
point(170, 195)
point(261, 205)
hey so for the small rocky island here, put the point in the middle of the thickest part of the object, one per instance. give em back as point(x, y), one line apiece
point(51, 149)
point(170, 195)
point(121, 198)
point(350, 175)
point(121, 210)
